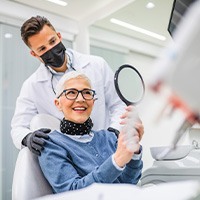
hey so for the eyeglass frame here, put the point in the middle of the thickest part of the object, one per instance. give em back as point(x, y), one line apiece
point(79, 91)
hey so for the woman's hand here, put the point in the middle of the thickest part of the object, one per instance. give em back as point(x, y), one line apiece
point(123, 154)
point(129, 137)
point(132, 120)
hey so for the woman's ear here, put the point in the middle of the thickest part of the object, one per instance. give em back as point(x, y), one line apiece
point(57, 104)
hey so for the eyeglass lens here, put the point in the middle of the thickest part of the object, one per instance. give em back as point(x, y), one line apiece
point(73, 94)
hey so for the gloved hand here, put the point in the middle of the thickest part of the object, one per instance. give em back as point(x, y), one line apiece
point(115, 131)
point(35, 140)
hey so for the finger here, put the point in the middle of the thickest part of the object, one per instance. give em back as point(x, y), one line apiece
point(140, 130)
point(133, 147)
point(128, 119)
point(123, 121)
point(133, 115)
point(38, 141)
point(38, 153)
point(37, 147)
point(132, 139)
point(45, 130)
point(123, 116)
point(140, 134)
point(138, 123)
point(41, 135)
point(129, 108)
point(131, 132)
point(132, 124)
point(126, 115)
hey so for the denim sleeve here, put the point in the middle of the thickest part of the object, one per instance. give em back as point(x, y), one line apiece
point(133, 170)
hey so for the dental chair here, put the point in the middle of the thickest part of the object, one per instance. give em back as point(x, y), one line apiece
point(28, 180)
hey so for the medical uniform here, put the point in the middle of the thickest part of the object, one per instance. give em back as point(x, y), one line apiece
point(37, 95)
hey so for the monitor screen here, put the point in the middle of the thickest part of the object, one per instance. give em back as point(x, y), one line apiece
point(178, 10)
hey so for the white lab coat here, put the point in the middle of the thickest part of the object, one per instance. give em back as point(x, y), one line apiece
point(36, 96)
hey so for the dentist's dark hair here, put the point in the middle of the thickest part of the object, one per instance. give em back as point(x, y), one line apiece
point(33, 26)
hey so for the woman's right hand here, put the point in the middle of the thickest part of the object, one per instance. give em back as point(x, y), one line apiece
point(130, 119)
point(123, 153)
point(129, 137)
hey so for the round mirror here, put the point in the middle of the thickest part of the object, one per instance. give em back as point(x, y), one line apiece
point(127, 76)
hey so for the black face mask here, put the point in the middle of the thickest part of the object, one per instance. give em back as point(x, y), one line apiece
point(55, 57)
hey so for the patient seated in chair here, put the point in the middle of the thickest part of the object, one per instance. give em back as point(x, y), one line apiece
point(76, 156)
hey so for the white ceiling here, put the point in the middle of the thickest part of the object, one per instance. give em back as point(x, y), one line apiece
point(99, 12)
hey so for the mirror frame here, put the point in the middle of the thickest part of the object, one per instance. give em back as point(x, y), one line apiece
point(117, 85)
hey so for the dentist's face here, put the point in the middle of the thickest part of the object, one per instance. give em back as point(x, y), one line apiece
point(44, 41)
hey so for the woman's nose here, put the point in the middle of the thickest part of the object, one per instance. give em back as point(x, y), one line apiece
point(80, 97)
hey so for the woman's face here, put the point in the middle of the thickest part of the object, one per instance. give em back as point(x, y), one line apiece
point(77, 110)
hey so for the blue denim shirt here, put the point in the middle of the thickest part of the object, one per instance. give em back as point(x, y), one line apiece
point(69, 164)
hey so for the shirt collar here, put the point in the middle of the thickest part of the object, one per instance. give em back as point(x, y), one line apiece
point(82, 138)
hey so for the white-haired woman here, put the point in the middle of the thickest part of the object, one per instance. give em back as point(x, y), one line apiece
point(76, 156)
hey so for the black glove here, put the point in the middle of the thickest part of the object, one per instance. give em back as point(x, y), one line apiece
point(114, 130)
point(35, 140)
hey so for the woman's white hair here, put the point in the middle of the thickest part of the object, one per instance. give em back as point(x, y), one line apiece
point(69, 75)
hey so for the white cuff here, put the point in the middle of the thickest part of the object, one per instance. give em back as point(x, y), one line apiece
point(138, 156)
point(115, 164)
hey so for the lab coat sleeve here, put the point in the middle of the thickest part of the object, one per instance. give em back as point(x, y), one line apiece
point(24, 112)
point(114, 104)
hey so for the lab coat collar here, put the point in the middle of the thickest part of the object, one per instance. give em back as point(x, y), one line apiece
point(79, 60)
point(43, 73)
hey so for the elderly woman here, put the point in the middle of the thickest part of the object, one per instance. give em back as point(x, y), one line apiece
point(76, 156)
